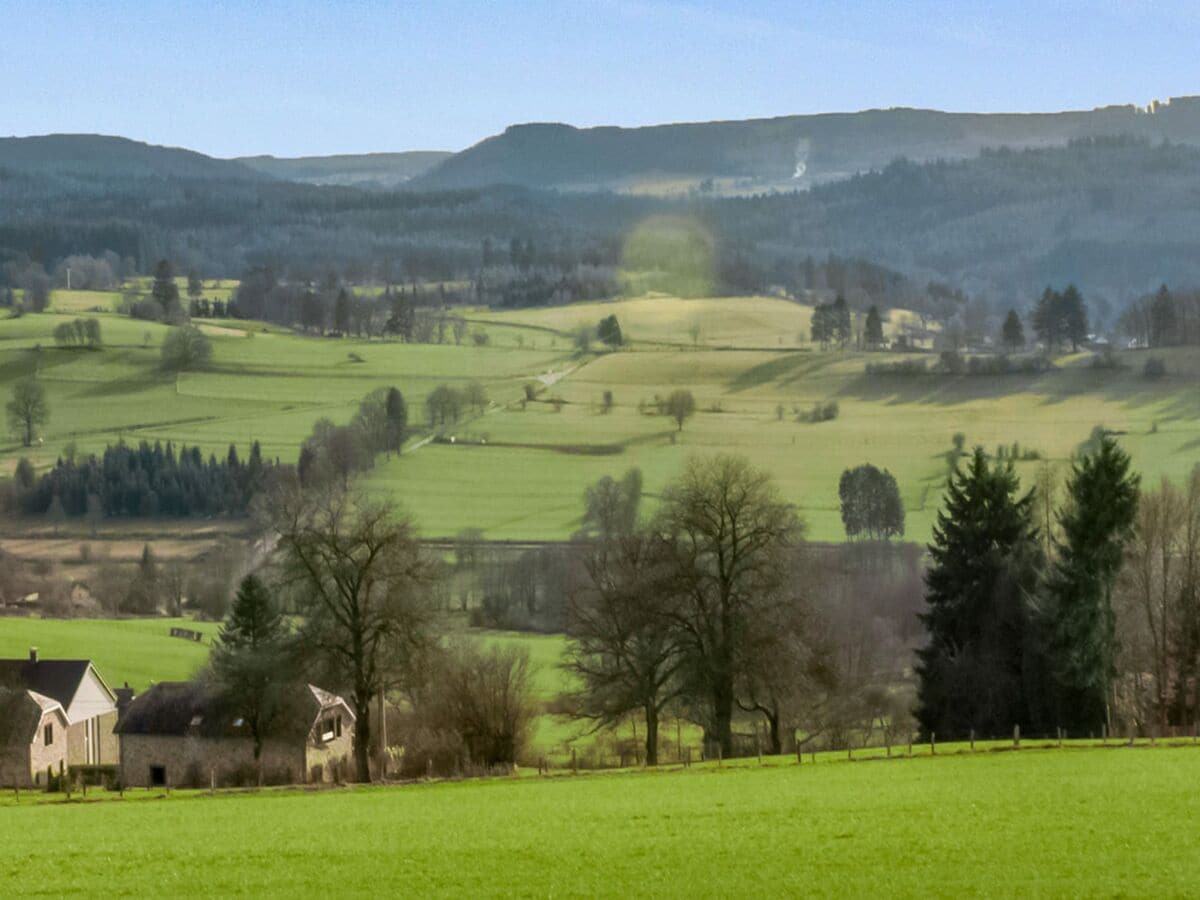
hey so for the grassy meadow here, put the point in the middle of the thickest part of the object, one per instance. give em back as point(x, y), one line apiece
point(518, 471)
point(1070, 822)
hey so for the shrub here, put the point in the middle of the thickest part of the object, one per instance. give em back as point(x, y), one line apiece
point(1154, 368)
point(951, 362)
point(899, 367)
point(1107, 359)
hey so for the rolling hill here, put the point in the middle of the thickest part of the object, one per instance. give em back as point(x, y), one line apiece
point(785, 152)
point(114, 157)
point(380, 171)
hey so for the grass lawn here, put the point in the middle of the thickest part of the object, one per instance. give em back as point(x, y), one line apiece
point(140, 651)
point(1115, 822)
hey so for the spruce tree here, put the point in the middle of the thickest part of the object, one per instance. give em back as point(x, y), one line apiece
point(252, 658)
point(1080, 633)
point(985, 563)
point(1073, 314)
point(1013, 333)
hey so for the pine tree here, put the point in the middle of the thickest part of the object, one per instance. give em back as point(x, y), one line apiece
point(1080, 636)
point(251, 661)
point(1013, 333)
point(985, 561)
point(873, 334)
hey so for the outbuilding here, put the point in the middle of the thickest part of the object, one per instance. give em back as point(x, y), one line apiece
point(188, 734)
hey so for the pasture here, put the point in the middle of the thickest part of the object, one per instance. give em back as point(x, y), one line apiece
point(518, 471)
point(1071, 822)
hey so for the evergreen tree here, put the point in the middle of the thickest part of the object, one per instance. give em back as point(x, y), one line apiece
point(1013, 333)
point(341, 312)
point(165, 290)
point(841, 321)
point(873, 334)
point(1046, 322)
point(397, 418)
point(194, 286)
point(985, 562)
point(1073, 312)
point(1080, 637)
point(143, 592)
point(609, 331)
point(251, 661)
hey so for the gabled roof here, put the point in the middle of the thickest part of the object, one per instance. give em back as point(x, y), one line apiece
point(58, 679)
point(21, 712)
point(200, 709)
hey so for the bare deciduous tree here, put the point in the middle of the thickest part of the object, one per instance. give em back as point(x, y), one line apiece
point(624, 648)
point(363, 585)
point(729, 532)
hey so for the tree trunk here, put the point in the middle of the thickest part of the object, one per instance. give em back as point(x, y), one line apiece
point(776, 742)
point(723, 719)
point(651, 735)
point(362, 737)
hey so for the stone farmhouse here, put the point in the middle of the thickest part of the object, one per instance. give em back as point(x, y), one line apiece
point(185, 734)
point(33, 738)
point(87, 702)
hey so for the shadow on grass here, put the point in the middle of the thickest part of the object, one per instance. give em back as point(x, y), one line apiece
point(790, 367)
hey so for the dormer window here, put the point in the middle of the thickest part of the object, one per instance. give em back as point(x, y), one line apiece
point(48, 734)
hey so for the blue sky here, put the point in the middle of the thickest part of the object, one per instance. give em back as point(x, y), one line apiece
point(294, 78)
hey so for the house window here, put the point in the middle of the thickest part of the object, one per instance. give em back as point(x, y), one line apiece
point(48, 734)
point(339, 726)
point(158, 776)
point(328, 729)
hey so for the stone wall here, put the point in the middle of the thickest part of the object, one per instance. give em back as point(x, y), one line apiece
point(335, 757)
point(194, 761)
point(43, 755)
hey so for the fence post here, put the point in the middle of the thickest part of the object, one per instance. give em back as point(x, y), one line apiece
point(910, 743)
point(972, 740)
point(933, 743)
point(799, 755)
point(574, 764)
point(212, 779)
point(1104, 735)
point(849, 753)
point(1059, 730)
point(720, 755)
point(1016, 737)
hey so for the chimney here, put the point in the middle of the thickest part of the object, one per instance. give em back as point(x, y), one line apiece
point(124, 698)
point(33, 654)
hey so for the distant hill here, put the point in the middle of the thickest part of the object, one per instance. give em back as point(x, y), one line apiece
point(367, 170)
point(113, 157)
point(780, 153)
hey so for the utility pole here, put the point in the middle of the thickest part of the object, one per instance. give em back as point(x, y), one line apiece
point(68, 278)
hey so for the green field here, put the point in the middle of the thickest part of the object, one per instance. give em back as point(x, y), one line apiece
point(1071, 822)
point(138, 651)
point(518, 472)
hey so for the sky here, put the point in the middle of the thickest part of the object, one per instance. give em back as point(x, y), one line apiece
point(295, 77)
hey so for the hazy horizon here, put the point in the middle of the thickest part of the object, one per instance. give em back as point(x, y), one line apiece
point(296, 79)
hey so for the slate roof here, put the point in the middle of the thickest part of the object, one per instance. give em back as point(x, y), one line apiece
point(57, 679)
point(20, 713)
point(199, 709)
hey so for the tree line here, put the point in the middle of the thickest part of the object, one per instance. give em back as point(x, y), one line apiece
point(143, 481)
